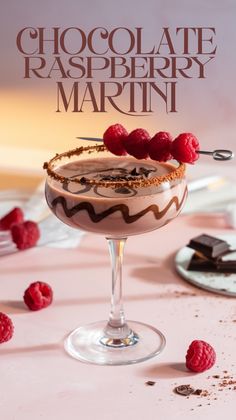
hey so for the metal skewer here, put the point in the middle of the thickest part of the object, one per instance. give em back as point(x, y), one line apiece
point(219, 154)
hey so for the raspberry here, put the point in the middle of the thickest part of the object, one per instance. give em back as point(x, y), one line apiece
point(184, 148)
point(136, 144)
point(6, 328)
point(113, 139)
point(200, 356)
point(14, 216)
point(159, 147)
point(25, 235)
point(38, 296)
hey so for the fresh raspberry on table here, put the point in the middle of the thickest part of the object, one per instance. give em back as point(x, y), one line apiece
point(136, 144)
point(14, 216)
point(6, 328)
point(113, 139)
point(159, 146)
point(200, 356)
point(38, 296)
point(25, 235)
point(184, 148)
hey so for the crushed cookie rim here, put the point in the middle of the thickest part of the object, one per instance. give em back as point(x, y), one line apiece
point(177, 173)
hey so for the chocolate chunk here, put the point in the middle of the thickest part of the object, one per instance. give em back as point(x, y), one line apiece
point(145, 171)
point(197, 263)
point(150, 383)
point(197, 392)
point(209, 246)
point(184, 390)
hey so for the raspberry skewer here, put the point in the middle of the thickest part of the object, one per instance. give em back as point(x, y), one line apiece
point(218, 154)
point(184, 148)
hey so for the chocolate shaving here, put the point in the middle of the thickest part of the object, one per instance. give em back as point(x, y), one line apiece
point(134, 172)
point(184, 390)
point(150, 383)
point(197, 392)
point(117, 178)
point(145, 171)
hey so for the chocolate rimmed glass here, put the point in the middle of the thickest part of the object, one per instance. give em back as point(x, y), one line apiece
point(116, 196)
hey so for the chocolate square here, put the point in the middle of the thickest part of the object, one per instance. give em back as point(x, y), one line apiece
point(197, 263)
point(209, 246)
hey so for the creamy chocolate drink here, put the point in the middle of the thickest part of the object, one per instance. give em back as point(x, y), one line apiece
point(116, 196)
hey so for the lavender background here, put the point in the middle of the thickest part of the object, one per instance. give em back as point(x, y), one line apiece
point(205, 107)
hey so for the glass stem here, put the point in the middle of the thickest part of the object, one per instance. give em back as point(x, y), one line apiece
point(117, 333)
point(116, 250)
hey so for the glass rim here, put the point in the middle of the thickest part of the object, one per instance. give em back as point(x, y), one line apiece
point(177, 173)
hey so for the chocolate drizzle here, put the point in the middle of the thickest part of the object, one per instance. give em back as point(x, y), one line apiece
point(123, 208)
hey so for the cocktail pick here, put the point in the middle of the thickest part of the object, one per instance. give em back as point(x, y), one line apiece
point(218, 154)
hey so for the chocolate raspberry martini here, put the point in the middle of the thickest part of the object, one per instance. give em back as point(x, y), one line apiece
point(116, 196)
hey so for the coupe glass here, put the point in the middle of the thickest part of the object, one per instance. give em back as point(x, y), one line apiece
point(116, 196)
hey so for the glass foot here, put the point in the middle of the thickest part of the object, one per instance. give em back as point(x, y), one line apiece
point(91, 344)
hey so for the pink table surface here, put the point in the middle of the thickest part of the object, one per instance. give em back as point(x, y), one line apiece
point(40, 381)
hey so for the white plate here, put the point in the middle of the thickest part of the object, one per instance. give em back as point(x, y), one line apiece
point(224, 284)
